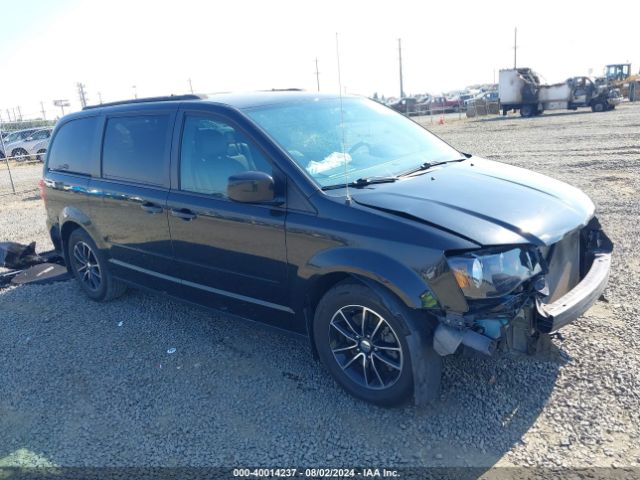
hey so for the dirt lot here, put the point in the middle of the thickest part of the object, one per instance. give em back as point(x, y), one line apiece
point(88, 384)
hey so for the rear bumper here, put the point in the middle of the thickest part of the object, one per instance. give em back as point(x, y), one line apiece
point(552, 316)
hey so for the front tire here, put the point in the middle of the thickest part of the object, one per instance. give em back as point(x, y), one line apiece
point(20, 155)
point(598, 107)
point(89, 266)
point(363, 345)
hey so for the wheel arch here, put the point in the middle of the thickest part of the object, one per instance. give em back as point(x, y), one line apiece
point(405, 283)
point(425, 363)
point(397, 286)
point(72, 218)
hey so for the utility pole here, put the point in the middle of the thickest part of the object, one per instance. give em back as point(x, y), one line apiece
point(44, 114)
point(19, 113)
point(515, 47)
point(190, 86)
point(135, 91)
point(100, 98)
point(317, 74)
point(82, 94)
point(400, 63)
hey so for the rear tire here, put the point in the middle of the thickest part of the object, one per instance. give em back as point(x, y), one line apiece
point(41, 154)
point(527, 111)
point(90, 268)
point(371, 361)
point(598, 107)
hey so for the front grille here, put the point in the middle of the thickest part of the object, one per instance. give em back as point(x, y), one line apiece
point(563, 259)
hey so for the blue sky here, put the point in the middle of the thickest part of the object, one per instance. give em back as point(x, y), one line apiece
point(246, 45)
point(24, 18)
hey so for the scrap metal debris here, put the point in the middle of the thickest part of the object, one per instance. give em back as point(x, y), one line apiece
point(17, 255)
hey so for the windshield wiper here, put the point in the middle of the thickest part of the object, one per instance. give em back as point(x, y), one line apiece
point(362, 182)
point(428, 165)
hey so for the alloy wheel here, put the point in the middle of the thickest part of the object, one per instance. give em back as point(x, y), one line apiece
point(366, 347)
point(86, 265)
point(20, 154)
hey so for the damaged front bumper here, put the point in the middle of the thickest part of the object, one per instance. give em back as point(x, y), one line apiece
point(552, 316)
point(520, 320)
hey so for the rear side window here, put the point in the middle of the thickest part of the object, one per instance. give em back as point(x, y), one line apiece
point(73, 145)
point(136, 149)
point(41, 135)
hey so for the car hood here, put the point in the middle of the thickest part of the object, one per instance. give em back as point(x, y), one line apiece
point(487, 202)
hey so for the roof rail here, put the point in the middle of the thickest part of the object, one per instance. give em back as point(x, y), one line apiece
point(284, 90)
point(168, 98)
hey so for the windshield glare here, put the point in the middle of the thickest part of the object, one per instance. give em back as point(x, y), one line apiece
point(378, 142)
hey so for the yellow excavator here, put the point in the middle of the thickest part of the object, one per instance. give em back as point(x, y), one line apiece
point(619, 76)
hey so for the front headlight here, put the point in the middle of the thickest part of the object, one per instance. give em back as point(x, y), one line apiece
point(493, 272)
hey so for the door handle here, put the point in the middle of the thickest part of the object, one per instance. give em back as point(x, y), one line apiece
point(151, 207)
point(184, 213)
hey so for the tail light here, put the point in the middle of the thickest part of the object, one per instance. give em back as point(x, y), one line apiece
point(43, 191)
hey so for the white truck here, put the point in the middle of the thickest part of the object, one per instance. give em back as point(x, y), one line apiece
point(520, 89)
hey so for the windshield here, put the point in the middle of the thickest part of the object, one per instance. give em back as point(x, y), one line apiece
point(15, 136)
point(378, 142)
point(12, 137)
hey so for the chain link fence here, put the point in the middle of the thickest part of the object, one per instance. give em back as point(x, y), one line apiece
point(23, 146)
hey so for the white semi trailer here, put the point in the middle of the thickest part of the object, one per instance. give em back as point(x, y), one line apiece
point(520, 89)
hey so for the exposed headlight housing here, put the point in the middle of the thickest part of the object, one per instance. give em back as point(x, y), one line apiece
point(494, 272)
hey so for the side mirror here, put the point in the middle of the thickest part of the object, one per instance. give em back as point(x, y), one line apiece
point(251, 187)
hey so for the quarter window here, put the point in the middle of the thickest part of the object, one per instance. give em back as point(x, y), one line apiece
point(72, 146)
point(136, 149)
point(211, 151)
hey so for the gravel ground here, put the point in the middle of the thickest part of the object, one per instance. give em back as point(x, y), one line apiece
point(86, 384)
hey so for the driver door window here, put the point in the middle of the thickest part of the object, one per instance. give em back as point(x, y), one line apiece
point(212, 151)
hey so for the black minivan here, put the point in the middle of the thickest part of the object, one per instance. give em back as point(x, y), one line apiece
point(334, 218)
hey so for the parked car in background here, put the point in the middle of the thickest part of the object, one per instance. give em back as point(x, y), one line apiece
point(406, 105)
point(19, 134)
point(13, 137)
point(491, 96)
point(34, 145)
point(423, 104)
point(444, 105)
point(463, 99)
